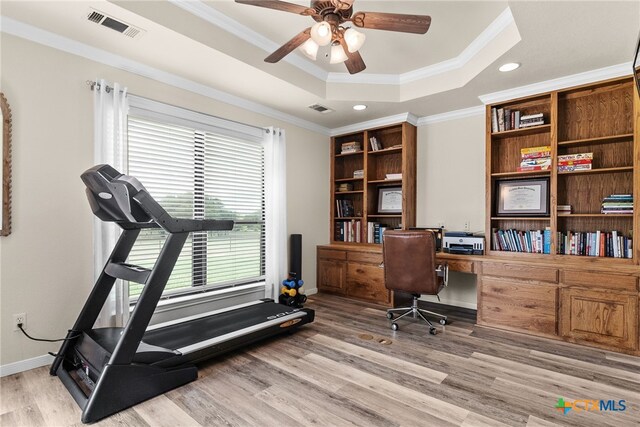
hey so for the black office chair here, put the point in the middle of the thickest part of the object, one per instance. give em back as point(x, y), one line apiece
point(410, 266)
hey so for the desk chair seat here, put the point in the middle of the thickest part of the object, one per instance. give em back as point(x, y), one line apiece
point(410, 266)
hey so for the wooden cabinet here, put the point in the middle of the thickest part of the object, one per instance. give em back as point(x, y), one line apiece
point(570, 293)
point(361, 167)
point(599, 317)
point(353, 272)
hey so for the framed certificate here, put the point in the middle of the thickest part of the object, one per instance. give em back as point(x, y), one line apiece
point(390, 200)
point(522, 197)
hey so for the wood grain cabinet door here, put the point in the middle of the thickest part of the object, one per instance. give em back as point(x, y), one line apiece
point(366, 281)
point(599, 317)
point(332, 275)
point(518, 305)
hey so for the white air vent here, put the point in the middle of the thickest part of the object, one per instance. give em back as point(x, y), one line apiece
point(113, 23)
point(320, 108)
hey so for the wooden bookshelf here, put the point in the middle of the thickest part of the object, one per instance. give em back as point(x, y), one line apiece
point(397, 156)
point(582, 299)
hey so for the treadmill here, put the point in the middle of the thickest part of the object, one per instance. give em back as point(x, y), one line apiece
point(109, 369)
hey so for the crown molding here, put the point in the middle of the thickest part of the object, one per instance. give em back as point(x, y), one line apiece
point(46, 38)
point(586, 77)
point(452, 115)
point(501, 23)
point(219, 19)
point(382, 121)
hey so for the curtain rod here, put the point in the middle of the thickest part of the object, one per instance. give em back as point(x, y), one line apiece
point(95, 84)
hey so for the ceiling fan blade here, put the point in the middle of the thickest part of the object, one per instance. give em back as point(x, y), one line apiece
point(418, 24)
point(280, 5)
point(354, 61)
point(289, 46)
point(342, 4)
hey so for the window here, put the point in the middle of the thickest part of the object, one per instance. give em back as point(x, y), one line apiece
point(199, 166)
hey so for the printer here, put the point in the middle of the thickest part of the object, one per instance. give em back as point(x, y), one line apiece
point(462, 242)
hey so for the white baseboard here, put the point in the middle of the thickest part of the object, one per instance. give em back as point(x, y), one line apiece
point(25, 365)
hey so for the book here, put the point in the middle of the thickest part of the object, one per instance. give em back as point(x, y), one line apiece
point(574, 162)
point(533, 168)
point(574, 168)
point(359, 173)
point(494, 120)
point(532, 116)
point(542, 148)
point(578, 156)
point(500, 119)
point(393, 176)
point(530, 124)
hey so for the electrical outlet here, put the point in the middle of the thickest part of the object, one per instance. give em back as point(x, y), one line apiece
point(467, 226)
point(19, 318)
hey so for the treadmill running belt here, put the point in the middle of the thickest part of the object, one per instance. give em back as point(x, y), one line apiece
point(198, 330)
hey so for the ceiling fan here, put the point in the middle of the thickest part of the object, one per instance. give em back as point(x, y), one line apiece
point(330, 15)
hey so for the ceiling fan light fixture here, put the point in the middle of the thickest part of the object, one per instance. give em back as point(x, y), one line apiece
point(321, 33)
point(337, 54)
point(354, 39)
point(310, 49)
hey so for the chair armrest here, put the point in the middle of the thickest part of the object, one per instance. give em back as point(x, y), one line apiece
point(443, 271)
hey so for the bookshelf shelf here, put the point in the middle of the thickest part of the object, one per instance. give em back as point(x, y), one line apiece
point(600, 140)
point(384, 216)
point(521, 174)
point(346, 218)
point(599, 170)
point(385, 151)
point(522, 132)
point(598, 215)
point(349, 192)
point(520, 218)
point(355, 153)
point(385, 181)
point(348, 179)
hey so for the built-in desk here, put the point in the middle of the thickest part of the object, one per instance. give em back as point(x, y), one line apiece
point(570, 299)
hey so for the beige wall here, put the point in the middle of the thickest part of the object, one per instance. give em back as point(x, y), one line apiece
point(451, 188)
point(45, 264)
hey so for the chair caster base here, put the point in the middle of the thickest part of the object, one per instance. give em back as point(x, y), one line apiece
point(433, 331)
point(443, 321)
point(394, 326)
point(389, 315)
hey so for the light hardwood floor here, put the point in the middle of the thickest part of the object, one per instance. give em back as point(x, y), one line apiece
point(349, 368)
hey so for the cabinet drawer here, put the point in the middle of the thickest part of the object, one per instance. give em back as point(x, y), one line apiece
point(330, 254)
point(461, 266)
point(373, 258)
point(603, 318)
point(599, 279)
point(520, 271)
point(519, 305)
point(367, 282)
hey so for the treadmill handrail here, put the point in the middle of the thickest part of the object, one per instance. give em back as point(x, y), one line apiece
point(178, 225)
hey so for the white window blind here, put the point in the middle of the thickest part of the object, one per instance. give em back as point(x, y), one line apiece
point(195, 169)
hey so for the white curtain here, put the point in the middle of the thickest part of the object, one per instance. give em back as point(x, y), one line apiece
point(276, 211)
point(110, 118)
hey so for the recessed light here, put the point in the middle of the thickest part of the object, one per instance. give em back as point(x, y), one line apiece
point(359, 107)
point(510, 66)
